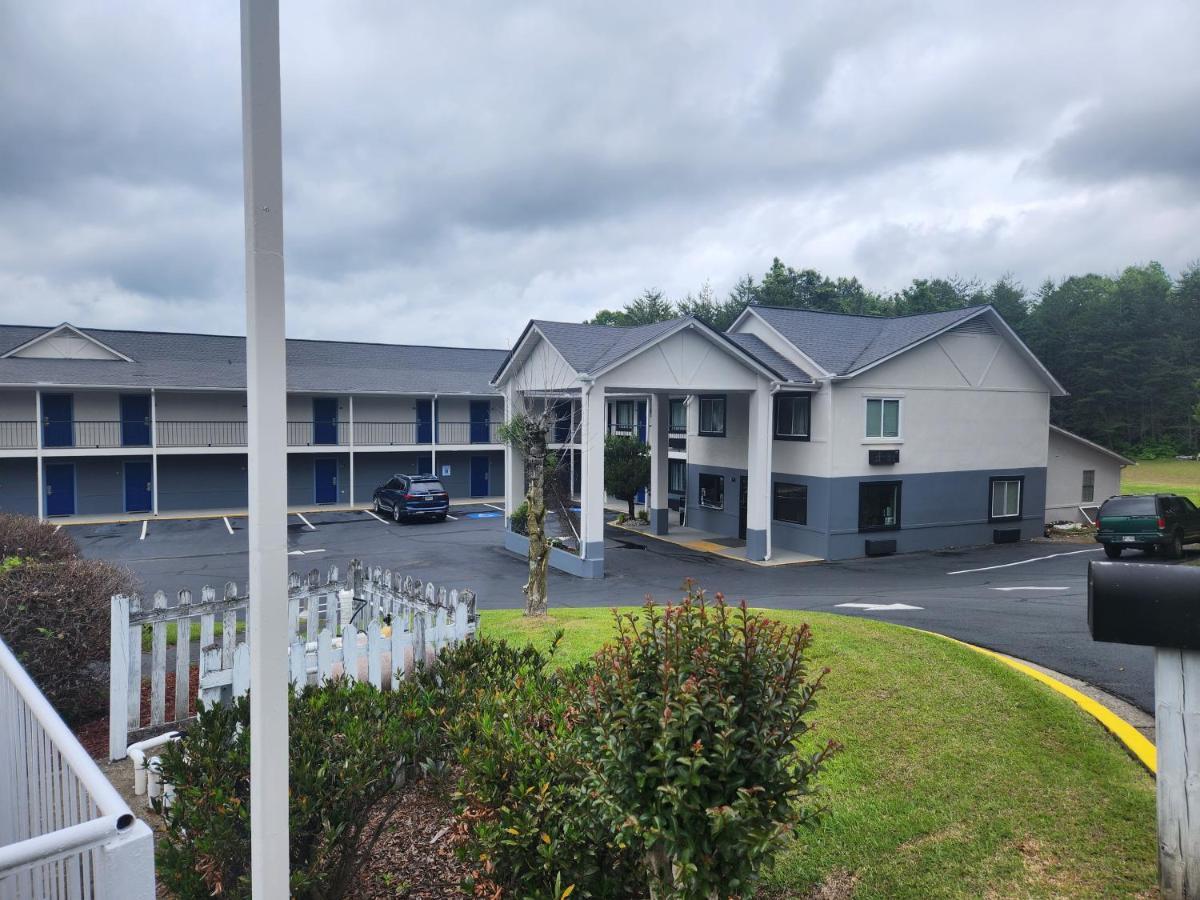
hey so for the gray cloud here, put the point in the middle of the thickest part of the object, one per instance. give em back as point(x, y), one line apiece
point(451, 171)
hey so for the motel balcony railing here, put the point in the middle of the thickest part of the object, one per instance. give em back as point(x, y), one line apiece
point(95, 433)
point(202, 434)
point(18, 435)
point(392, 434)
point(468, 432)
point(65, 832)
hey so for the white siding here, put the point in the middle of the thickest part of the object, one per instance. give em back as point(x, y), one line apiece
point(1067, 460)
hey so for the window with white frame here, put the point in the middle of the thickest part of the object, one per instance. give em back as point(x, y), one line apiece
point(712, 415)
point(1006, 498)
point(1089, 486)
point(883, 417)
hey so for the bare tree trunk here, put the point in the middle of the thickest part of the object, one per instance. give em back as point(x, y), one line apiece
point(539, 548)
point(632, 500)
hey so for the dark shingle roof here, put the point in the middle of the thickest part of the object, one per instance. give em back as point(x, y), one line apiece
point(170, 359)
point(755, 346)
point(588, 348)
point(842, 344)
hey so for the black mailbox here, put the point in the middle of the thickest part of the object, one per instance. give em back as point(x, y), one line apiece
point(1150, 604)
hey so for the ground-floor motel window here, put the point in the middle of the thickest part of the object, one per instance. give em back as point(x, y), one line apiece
point(878, 505)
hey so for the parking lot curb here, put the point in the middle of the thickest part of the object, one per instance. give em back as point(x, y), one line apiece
point(1137, 744)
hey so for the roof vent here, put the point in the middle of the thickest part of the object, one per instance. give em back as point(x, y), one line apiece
point(977, 325)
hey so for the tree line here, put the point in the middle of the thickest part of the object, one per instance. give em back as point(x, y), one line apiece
point(1126, 347)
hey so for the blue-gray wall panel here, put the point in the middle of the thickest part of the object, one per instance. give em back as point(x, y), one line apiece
point(811, 538)
point(100, 484)
point(18, 486)
point(719, 521)
point(458, 482)
point(374, 469)
point(302, 487)
point(202, 481)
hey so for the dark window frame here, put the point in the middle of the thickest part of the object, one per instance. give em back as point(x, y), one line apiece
point(672, 405)
point(724, 415)
point(1087, 491)
point(700, 489)
point(675, 465)
point(899, 486)
point(1020, 514)
point(779, 398)
point(775, 502)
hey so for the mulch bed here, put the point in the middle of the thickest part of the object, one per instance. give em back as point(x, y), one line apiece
point(415, 857)
point(94, 735)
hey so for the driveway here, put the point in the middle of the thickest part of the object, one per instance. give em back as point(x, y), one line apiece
point(1028, 600)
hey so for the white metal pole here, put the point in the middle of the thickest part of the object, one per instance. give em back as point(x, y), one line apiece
point(266, 401)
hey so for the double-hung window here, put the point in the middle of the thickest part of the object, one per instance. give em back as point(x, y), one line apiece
point(1089, 486)
point(623, 417)
point(883, 418)
point(792, 417)
point(1005, 497)
point(677, 476)
point(677, 423)
point(712, 415)
point(790, 503)
point(712, 490)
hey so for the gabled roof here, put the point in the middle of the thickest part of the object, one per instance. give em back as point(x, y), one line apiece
point(41, 346)
point(591, 349)
point(181, 360)
point(844, 345)
point(1070, 435)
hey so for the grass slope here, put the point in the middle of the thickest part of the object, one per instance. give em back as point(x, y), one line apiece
point(959, 777)
point(1175, 476)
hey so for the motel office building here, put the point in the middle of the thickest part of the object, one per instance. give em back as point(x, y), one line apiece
point(99, 423)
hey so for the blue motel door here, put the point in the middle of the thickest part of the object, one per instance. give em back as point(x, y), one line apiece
point(479, 476)
point(138, 485)
point(325, 486)
point(135, 420)
point(325, 420)
point(58, 425)
point(481, 421)
point(60, 489)
point(424, 421)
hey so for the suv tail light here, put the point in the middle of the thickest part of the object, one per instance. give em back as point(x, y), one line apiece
point(1162, 523)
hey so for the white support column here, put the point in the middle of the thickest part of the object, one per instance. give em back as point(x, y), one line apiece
point(41, 466)
point(514, 462)
point(592, 493)
point(660, 411)
point(433, 435)
point(153, 452)
point(350, 442)
point(758, 471)
point(266, 400)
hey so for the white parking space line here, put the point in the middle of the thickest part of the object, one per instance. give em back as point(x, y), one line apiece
point(880, 607)
point(305, 552)
point(1021, 562)
point(58, 527)
point(311, 526)
point(228, 526)
point(375, 517)
point(1033, 587)
point(145, 525)
point(494, 506)
point(451, 518)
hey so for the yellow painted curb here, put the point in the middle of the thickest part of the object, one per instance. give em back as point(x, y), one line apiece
point(1134, 740)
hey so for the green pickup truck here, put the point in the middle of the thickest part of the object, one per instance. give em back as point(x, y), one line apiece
point(1162, 522)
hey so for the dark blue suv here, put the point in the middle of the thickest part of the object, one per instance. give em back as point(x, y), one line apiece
point(412, 497)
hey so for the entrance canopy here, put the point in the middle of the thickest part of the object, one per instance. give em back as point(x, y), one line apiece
point(679, 357)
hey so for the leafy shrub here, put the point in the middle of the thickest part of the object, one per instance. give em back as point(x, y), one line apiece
point(693, 717)
point(55, 617)
point(350, 746)
point(27, 538)
point(518, 521)
point(535, 827)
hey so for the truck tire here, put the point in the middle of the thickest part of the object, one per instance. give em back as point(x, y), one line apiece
point(1174, 550)
point(1113, 551)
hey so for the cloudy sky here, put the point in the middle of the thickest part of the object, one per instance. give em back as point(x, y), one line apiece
point(453, 169)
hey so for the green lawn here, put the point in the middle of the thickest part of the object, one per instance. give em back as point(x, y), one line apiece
point(960, 777)
point(1175, 476)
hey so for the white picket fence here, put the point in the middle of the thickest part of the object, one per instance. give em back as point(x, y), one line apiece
point(65, 832)
point(370, 626)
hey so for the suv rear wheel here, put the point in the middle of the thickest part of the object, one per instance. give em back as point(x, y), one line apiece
point(396, 512)
point(1174, 550)
point(1112, 551)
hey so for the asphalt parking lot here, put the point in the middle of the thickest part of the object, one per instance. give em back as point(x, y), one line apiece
point(1028, 600)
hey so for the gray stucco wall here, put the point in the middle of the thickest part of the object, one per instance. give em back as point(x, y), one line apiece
point(18, 486)
point(99, 484)
point(300, 484)
point(458, 483)
point(937, 509)
point(373, 469)
point(202, 481)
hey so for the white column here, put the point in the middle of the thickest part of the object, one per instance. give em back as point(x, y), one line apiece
point(592, 486)
point(660, 413)
point(514, 462)
point(350, 442)
point(153, 452)
point(433, 435)
point(41, 466)
point(266, 400)
point(758, 470)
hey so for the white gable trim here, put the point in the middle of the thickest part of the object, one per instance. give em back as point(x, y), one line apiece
point(713, 336)
point(1056, 389)
point(519, 353)
point(1070, 435)
point(807, 360)
point(60, 329)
